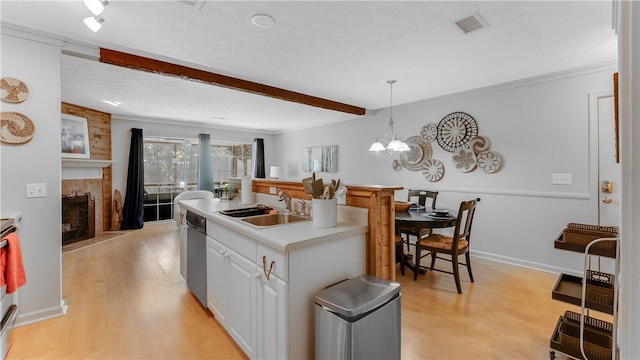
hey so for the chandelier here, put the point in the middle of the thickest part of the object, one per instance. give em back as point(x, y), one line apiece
point(390, 141)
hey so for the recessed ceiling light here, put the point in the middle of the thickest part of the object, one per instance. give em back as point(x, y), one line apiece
point(263, 21)
point(113, 103)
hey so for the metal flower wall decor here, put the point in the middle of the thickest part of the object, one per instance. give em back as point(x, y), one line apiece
point(456, 133)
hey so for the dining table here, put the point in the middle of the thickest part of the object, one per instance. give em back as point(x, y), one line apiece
point(423, 218)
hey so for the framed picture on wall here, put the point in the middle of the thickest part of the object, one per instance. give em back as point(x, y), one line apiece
point(74, 135)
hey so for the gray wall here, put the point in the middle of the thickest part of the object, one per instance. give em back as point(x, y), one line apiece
point(540, 126)
point(36, 62)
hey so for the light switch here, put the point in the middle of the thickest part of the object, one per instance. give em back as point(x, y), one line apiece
point(36, 190)
point(561, 179)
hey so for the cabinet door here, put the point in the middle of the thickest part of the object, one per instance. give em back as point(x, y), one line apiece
point(272, 321)
point(217, 255)
point(242, 306)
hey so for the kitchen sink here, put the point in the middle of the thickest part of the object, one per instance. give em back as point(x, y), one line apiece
point(249, 211)
point(275, 219)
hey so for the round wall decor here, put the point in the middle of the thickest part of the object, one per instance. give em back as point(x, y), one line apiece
point(489, 161)
point(464, 160)
point(420, 151)
point(433, 170)
point(456, 130)
point(15, 128)
point(429, 132)
point(479, 144)
point(13, 90)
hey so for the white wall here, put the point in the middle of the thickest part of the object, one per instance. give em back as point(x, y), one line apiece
point(36, 61)
point(540, 126)
point(121, 141)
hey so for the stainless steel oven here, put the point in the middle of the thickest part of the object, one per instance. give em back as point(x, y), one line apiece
point(8, 310)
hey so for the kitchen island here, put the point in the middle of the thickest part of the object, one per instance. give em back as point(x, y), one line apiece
point(261, 282)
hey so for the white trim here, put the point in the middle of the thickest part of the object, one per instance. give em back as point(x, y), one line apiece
point(526, 193)
point(182, 123)
point(34, 317)
point(30, 34)
point(555, 76)
point(594, 148)
point(524, 263)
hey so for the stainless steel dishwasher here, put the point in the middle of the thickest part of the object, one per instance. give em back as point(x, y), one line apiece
point(197, 256)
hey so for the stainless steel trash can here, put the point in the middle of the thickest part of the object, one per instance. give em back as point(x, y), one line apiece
point(358, 318)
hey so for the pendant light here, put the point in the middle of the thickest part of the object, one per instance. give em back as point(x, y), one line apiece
point(390, 141)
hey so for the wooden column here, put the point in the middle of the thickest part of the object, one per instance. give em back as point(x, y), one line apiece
point(380, 202)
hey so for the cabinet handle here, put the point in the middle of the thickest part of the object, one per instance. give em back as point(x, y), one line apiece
point(226, 255)
point(257, 275)
point(264, 267)
point(221, 252)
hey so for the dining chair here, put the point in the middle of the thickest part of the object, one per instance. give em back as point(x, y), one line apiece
point(420, 197)
point(400, 253)
point(453, 246)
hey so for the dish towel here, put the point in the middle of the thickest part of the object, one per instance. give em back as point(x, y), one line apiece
point(11, 267)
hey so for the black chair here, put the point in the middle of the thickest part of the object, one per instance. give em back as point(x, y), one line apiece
point(454, 246)
point(420, 197)
point(399, 253)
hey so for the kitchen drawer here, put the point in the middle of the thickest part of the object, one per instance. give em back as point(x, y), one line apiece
point(234, 241)
point(6, 301)
point(6, 332)
point(280, 263)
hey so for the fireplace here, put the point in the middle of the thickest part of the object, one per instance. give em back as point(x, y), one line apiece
point(78, 217)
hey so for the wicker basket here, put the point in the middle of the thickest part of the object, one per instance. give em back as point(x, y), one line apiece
point(597, 335)
point(576, 237)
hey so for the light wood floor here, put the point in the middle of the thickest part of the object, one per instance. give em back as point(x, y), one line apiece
point(127, 300)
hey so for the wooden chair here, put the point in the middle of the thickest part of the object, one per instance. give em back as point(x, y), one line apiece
point(454, 246)
point(399, 253)
point(421, 196)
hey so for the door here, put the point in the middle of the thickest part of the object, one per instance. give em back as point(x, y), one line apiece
point(609, 171)
point(272, 323)
point(217, 279)
point(241, 309)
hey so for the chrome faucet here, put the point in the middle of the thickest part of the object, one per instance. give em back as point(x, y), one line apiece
point(303, 206)
point(283, 196)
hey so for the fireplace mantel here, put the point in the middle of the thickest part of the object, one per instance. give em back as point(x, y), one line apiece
point(76, 169)
point(85, 163)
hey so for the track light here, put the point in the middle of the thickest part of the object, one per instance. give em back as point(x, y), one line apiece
point(94, 22)
point(96, 6)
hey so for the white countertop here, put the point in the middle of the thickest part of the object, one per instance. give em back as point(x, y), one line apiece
point(285, 237)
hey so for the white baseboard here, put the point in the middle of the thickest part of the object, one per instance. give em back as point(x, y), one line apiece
point(525, 263)
point(34, 317)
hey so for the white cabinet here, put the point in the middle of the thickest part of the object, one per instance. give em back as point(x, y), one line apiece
point(217, 279)
point(243, 276)
point(232, 293)
point(272, 318)
point(264, 297)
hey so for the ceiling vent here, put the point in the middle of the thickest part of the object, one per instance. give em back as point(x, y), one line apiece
point(470, 23)
point(196, 4)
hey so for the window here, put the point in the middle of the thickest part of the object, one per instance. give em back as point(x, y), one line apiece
point(171, 167)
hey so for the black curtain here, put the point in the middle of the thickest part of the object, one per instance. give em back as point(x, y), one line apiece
point(258, 158)
point(133, 208)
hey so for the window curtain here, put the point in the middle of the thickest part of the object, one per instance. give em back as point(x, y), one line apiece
point(133, 208)
point(258, 158)
point(205, 163)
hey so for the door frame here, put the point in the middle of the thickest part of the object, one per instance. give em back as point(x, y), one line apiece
point(594, 196)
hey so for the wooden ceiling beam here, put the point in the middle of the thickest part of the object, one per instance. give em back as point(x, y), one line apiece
point(161, 67)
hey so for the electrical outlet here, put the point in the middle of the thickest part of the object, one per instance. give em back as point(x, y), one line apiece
point(272, 190)
point(561, 179)
point(36, 190)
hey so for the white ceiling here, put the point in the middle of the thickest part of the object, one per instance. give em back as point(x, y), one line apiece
point(343, 51)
